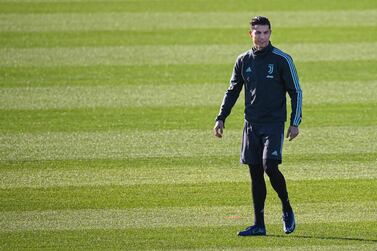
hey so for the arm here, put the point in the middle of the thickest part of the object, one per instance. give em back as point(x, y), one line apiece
point(230, 98)
point(292, 85)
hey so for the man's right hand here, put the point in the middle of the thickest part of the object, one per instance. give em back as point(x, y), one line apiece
point(219, 128)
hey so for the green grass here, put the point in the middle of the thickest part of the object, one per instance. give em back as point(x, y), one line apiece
point(179, 36)
point(176, 6)
point(338, 236)
point(106, 116)
point(182, 195)
point(355, 70)
point(104, 119)
point(177, 54)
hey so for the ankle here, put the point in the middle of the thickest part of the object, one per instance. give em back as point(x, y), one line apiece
point(286, 206)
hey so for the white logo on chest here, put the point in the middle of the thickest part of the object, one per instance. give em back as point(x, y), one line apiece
point(270, 70)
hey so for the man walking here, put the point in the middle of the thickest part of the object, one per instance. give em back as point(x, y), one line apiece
point(267, 74)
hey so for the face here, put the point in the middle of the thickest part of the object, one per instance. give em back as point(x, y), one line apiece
point(260, 35)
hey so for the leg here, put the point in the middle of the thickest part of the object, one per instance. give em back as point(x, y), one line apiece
point(258, 191)
point(272, 155)
point(277, 181)
point(251, 154)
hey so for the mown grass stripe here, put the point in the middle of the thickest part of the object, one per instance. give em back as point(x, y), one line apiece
point(332, 236)
point(307, 248)
point(180, 217)
point(117, 96)
point(80, 175)
point(165, 163)
point(182, 195)
point(171, 143)
point(353, 70)
point(182, 20)
point(76, 6)
point(177, 54)
point(188, 95)
point(174, 117)
point(299, 248)
point(183, 37)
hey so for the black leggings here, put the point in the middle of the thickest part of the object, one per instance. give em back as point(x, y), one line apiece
point(258, 187)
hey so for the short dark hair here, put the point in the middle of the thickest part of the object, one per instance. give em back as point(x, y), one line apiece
point(261, 20)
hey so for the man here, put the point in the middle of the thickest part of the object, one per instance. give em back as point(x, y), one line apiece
point(267, 74)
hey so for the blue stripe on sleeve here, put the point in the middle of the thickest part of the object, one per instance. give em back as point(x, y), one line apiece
point(296, 83)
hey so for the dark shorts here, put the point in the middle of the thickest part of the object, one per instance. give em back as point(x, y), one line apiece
point(262, 141)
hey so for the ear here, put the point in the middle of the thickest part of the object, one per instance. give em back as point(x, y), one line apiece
point(250, 34)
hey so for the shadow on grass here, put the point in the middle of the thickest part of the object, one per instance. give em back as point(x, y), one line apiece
point(324, 238)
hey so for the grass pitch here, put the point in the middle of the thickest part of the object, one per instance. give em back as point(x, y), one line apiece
point(107, 109)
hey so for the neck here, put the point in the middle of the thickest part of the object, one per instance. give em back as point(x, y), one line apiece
point(260, 48)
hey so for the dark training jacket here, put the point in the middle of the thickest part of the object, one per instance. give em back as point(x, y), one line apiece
point(267, 76)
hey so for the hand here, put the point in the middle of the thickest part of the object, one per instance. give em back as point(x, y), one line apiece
point(219, 128)
point(292, 132)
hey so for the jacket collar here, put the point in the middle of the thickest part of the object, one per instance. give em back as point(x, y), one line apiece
point(263, 52)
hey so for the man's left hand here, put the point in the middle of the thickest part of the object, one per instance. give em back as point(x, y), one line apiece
point(292, 132)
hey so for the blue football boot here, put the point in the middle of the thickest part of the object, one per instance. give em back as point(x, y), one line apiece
point(289, 222)
point(253, 231)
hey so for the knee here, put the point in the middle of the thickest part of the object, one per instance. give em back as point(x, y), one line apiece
point(271, 166)
point(256, 171)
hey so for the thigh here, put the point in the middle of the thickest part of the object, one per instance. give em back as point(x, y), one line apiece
point(252, 145)
point(273, 139)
